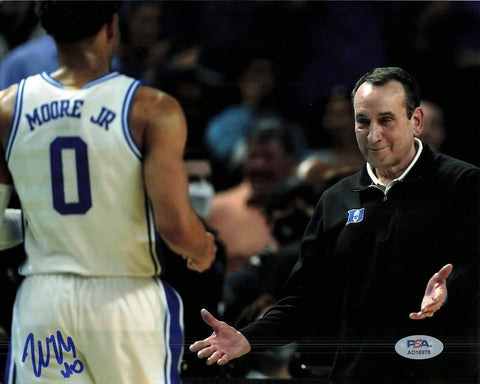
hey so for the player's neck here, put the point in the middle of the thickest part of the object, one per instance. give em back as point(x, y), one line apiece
point(78, 66)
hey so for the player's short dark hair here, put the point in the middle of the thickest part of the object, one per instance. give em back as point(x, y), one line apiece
point(382, 75)
point(71, 21)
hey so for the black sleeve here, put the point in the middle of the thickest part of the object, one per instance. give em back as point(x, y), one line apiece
point(305, 306)
point(463, 283)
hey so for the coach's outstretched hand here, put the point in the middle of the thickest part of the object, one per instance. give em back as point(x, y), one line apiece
point(225, 343)
point(435, 294)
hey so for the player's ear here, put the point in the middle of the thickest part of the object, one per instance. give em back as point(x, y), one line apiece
point(113, 30)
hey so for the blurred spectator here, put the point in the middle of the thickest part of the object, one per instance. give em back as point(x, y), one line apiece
point(226, 132)
point(435, 23)
point(199, 90)
point(434, 132)
point(320, 175)
point(186, 281)
point(34, 56)
point(338, 49)
point(25, 49)
point(228, 28)
point(237, 213)
point(335, 120)
point(175, 36)
point(200, 187)
point(249, 291)
point(252, 290)
point(18, 24)
point(311, 170)
point(255, 83)
point(448, 44)
point(144, 46)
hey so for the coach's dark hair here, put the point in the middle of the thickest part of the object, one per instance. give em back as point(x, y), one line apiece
point(383, 75)
point(71, 21)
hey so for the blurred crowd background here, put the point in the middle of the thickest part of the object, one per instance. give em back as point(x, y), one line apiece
point(280, 58)
point(251, 73)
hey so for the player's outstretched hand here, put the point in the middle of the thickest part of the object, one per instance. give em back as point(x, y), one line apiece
point(435, 294)
point(225, 343)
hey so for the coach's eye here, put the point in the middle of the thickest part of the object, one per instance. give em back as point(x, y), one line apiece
point(362, 123)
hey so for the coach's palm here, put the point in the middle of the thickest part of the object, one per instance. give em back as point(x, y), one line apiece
point(225, 343)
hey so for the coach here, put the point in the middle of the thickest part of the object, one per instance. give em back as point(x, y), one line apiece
point(370, 254)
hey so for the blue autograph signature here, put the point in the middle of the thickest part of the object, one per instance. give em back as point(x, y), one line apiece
point(59, 345)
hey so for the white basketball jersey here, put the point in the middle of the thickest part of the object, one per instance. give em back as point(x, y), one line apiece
point(78, 174)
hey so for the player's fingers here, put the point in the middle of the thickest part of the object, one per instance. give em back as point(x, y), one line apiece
point(196, 266)
point(192, 264)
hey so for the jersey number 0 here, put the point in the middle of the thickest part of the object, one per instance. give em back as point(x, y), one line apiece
point(58, 169)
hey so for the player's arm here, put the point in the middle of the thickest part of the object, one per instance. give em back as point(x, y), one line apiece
point(7, 106)
point(159, 127)
point(10, 219)
point(11, 232)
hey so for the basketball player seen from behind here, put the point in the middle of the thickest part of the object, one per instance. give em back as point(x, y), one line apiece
point(96, 161)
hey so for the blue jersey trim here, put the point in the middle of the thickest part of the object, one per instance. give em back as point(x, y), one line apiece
point(17, 114)
point(125, 116)
point(101, 79)
point(49, 79)
point(173, 331)
point(151, 228)
point(10, 371)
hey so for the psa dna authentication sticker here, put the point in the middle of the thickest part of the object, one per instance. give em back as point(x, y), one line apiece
point(419, 347)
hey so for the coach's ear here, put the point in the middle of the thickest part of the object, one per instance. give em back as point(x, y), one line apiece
point(417, 119)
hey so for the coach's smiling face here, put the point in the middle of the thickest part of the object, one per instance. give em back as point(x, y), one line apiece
point(385, 134)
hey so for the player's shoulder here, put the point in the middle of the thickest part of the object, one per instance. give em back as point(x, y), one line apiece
point(148, 97)
point(7, 101)
point(152, 106)
point(7, 107)
point(155, 113)
point(8, 95)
